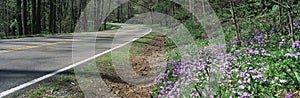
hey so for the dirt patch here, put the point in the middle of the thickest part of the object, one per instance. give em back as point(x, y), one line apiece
point(153, 55)
point(149, 57)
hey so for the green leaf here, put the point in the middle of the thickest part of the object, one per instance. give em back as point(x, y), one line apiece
point(232, 49)
point(297, 76)
point(13, 23)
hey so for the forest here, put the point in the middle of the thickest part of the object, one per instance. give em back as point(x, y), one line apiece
point(262, 40)
point(28, 17)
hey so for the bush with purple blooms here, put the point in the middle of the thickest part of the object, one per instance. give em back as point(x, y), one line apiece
point(261, 66)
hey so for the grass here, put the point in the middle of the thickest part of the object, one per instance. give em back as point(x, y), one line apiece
point(53, 88)
point(109, 27)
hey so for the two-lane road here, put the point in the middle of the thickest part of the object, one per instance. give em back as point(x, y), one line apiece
point(26, 59)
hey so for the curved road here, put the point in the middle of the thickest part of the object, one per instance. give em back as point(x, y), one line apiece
point(23, 60)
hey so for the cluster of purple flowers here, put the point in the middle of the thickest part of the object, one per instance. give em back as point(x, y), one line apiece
point(297, 25)
point(201, 69)
point(296, 54)
point(195, 69)
point(242, 74)
point(257, 40)
point(296, 44)
point(239, 72)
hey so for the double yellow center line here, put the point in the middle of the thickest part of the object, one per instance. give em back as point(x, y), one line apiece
point(51, 44)
point(32, 47)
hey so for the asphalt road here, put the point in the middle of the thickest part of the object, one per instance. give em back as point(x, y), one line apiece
point(25, 59)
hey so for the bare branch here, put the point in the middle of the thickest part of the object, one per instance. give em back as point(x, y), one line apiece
point(282, 5)
point(234, 18)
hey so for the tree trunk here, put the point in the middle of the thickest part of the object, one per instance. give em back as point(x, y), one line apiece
point(52, 16)
point(233, 13)
point(280, 18)
point(128, 10)
point(34, 18)
point(6, 27)
point(1, 16)
point(119, 15)
point(96, 17)
point(102, 14)
point(291, 21)
point(38, 16)
point(84, 3)
point(105, 25)
point(44, 10)
point(25, 30)
point(19, 17)
point(60, 15)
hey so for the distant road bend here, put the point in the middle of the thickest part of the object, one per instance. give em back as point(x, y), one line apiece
point(26, 61)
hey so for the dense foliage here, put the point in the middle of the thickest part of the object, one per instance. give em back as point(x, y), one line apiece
point(264, 62)
point(261, 67)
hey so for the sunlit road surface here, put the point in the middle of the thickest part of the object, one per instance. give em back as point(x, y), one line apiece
point(26, 59)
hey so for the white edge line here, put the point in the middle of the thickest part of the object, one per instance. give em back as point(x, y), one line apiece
point(22, 86)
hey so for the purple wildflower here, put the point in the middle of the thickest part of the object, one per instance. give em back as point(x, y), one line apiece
point(241, 87)
point(282, 81)
point(253, 71)
point(254, 52)
point(240, 82)
point(234, 91)
point(264, 51)
point(289, 95)
point(247, 81)
point(296, 24)
point(281, 43)
point(245, 94)
point(257, 76)
point(296, 44)
point(292, 54)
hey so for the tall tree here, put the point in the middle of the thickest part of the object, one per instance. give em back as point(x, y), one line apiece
point(52, 16)
point(25, 18)
point(5, 27)
point(1, 16)
point(19, 17)
point(72, 15)
point(33, 24)
point(38, 16)
point(84, 3)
